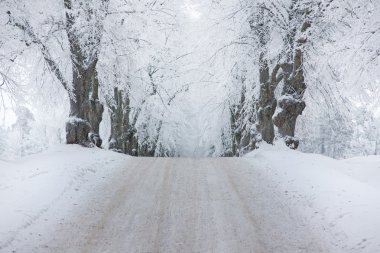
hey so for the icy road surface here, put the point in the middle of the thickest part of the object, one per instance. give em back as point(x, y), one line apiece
point(183, 205)
point(114, 203)
point(176, 205)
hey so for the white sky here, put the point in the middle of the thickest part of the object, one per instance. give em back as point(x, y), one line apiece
point(192, 9)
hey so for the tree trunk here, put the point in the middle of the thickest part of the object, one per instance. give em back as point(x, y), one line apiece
point(266, 104)
point(155, 151)
point(241, 120)
point(291, 103)
point(123, 135)
point(116, 116)
point(233, 151)
point(85, 109)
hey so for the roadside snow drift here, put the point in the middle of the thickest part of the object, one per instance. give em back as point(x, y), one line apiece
point(340, 199)
point(44, 185)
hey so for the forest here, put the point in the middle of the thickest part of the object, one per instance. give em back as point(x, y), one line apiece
point(190, 126)
point(192, 78)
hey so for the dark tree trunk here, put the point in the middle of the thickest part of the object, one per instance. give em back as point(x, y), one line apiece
point(85, 108)
point(235, 135)
point(155, 151)
point(241, 120)
point(116, 107)
point(266, 104)
point(123, 134)
point(123, 125)
point(291, 103)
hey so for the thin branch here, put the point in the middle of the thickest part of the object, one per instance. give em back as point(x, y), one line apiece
point(53, 66)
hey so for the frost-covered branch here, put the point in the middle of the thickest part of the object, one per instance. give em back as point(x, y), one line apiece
point(25, 27)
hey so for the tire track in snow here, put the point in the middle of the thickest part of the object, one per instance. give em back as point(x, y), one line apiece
point(163, 207)
point(227, 166)
point(125, 188)
point(180, 205)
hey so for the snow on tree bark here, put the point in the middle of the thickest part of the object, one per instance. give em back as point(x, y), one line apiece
point(85, 104)
point(123, 134)
point(85, 108)
point(291, 103)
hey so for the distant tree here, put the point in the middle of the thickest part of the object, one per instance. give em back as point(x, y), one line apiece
point(242, 115)
point(23, 127)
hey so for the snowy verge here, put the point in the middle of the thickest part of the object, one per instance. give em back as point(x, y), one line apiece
point(365, 169)
point(339, 198)
point(31, 186)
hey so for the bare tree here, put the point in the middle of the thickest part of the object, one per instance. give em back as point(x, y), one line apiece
point(289, 68)
point(85, 108)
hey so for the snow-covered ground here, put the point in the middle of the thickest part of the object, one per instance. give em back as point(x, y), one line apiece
point(340, 199)
point(73, 199)
point(47, 185)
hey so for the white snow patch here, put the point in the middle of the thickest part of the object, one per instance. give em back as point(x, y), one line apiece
point(339, 198)
point(59, 177)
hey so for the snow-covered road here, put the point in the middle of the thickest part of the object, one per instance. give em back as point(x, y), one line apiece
point(184, 205)
point(174, 205)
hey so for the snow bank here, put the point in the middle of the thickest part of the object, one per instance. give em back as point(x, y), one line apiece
point(340, 199)
point(57, 178)
point(365, 169)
